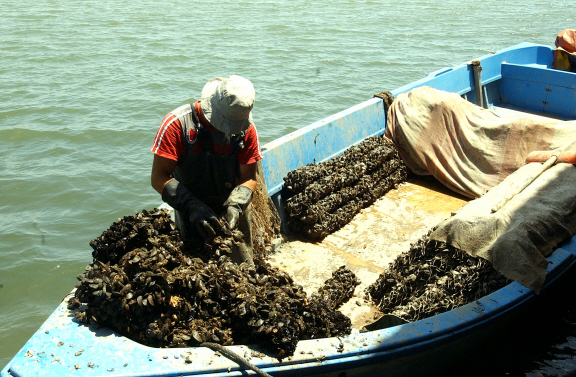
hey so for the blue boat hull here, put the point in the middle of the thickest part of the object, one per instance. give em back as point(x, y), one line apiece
point(63, 347)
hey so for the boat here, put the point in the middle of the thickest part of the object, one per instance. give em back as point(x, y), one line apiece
point(62, 346)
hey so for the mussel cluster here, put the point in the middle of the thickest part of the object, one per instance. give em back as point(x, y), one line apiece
point(146, 285)
point(131, 232)
point(153, 230)
point(432, 278)
point(321, 198)
point(337, 290)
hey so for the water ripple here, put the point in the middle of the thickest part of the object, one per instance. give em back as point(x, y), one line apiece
point(86, 85)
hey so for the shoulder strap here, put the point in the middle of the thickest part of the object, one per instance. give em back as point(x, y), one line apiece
point(202, 133)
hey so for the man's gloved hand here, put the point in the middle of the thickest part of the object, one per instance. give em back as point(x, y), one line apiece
point(204, 218)
point(236, 204)
point(200, 214)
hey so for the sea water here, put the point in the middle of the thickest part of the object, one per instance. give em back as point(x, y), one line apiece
point(85, 85)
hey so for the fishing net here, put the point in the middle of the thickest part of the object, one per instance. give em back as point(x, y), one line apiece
point(265, 219)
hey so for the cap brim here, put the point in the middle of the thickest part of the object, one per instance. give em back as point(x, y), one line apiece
point(208, 92)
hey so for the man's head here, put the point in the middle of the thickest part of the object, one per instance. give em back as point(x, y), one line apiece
point(227, 103)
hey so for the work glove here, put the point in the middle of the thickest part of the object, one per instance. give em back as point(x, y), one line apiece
point(200, 214)
point(236, 204)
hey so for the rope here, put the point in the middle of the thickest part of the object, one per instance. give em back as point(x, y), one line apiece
point(235, 357)
point(387, 97)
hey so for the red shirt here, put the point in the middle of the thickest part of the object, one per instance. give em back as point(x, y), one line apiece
point(168, 142)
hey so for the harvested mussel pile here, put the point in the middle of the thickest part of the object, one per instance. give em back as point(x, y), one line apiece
point(432, 278)
point(144, 284)
point(155, 229)
point(337, 290)
point(321, 198)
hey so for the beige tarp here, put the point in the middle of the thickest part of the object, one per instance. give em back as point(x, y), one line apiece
point(528, 228)
point(467, 148)
point(472, 150)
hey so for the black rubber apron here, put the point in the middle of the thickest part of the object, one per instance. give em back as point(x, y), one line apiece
point(210, 177)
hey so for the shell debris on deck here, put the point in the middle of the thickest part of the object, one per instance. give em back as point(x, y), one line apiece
point(370, 242)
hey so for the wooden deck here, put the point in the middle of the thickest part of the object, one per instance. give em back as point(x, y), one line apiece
point(370, 241)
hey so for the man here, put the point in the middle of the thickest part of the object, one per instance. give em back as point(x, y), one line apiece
point(205, 157)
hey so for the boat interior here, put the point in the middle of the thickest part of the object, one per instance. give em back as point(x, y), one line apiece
point(378, 234)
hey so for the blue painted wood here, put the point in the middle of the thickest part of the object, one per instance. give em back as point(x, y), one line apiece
point(457, 80)
point(492, 93)
point(525, 94)
point(537, 74)
point(561, 101)
point(321, 141)
point(460, 80)
point(539, 89)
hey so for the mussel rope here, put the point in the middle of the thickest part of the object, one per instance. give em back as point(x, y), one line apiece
point(235, 357)
point(387, 97)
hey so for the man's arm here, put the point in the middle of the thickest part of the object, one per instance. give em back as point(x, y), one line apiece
point(248, 176)
point(162, 167)
point(176, 195)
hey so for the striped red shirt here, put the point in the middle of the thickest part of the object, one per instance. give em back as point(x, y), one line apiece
point(169, 138)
